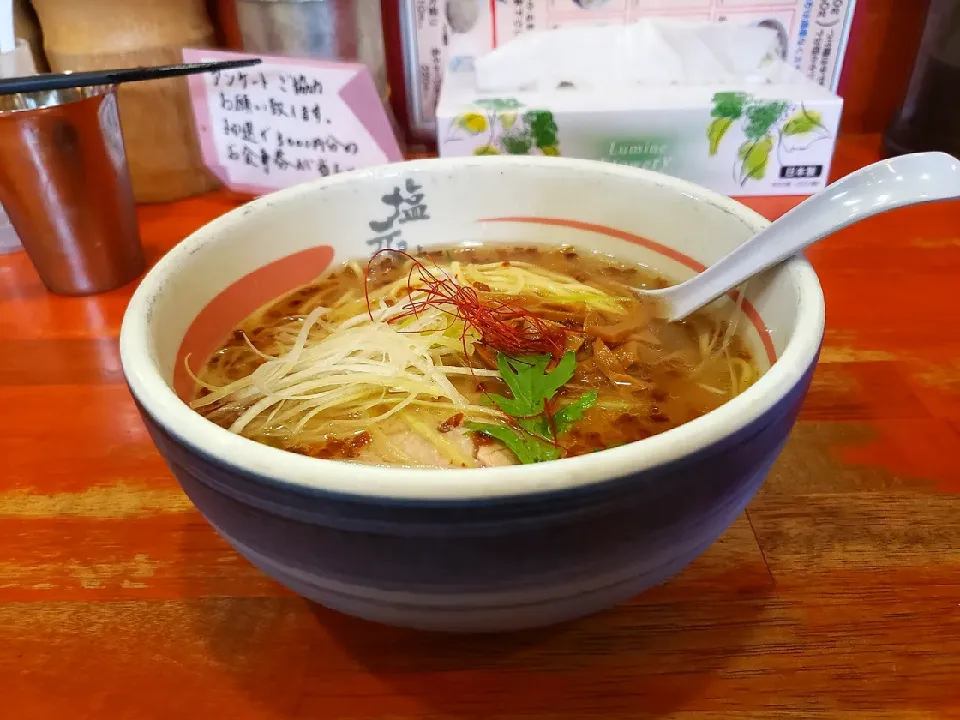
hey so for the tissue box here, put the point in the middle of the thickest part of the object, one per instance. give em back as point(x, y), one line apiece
point(751, 139)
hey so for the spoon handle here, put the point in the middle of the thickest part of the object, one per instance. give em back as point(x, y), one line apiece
point(874, 189)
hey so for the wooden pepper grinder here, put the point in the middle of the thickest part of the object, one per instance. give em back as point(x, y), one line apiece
point(158, 130)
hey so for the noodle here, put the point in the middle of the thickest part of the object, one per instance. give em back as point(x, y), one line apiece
point(398, 362)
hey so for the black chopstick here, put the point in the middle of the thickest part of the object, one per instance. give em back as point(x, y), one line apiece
point(60, 81)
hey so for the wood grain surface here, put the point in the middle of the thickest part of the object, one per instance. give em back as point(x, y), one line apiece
point(837, 595)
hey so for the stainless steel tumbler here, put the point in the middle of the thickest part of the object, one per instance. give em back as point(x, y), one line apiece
point(65, 186)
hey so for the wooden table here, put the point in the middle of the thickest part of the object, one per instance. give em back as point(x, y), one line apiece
point(836, 596)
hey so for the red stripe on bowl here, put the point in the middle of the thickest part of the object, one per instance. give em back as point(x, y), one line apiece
point(251, 292)
point(748, 309)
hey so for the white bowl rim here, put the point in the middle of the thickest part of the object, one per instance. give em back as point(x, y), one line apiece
point(304, 474)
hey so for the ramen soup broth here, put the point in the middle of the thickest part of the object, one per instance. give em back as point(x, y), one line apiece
point(403, 362)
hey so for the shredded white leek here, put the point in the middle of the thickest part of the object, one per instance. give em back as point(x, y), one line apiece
point(363, 371)
point(517, 278)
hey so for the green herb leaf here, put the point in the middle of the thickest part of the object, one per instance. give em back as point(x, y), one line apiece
point(519, 376)
point(538, 426)
point(529, 382)
point(527, 448)
point(531, 386)
point(512, 407)
point(566, 416)
point(563, 419)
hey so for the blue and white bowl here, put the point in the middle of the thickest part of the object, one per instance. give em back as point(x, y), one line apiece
point(480, 549)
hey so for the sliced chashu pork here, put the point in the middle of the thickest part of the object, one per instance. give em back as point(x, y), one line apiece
point(413, 449)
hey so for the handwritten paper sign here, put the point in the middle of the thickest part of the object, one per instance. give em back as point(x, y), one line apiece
point(287, 121)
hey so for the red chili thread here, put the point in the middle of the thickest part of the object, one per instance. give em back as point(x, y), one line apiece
point(502, 326)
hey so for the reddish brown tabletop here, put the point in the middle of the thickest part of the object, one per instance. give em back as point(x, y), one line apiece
point(837, 595)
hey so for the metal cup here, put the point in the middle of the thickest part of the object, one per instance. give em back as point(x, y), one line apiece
point(65, 186)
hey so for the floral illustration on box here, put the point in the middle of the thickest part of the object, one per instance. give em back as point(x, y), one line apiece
point(767, 124)
point(507, 128)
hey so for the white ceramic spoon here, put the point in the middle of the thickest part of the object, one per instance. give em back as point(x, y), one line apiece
point(877, 188)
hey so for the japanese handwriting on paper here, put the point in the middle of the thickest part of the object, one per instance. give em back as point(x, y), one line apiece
point(240, 79)
point(270, 122)
point(235, 102)
point(407, 207)
point(277, 160)
point(531, 19)
point(517, 16)
point(308, 113)
point(299, 84)
point(318, 142)
point(244, 131)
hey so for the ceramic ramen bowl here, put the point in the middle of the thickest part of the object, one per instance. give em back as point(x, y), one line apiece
point(474, 549)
